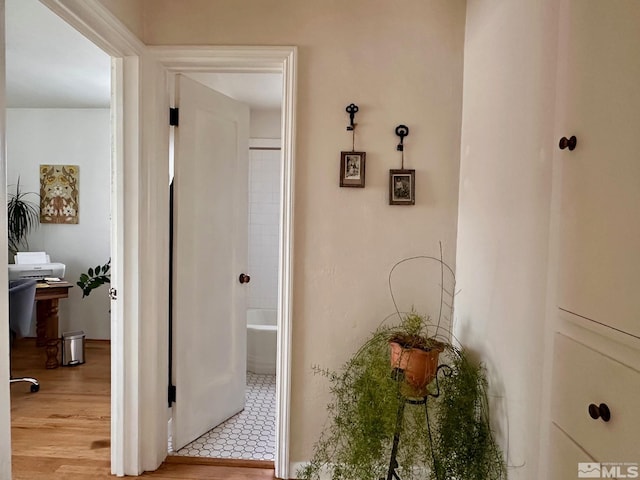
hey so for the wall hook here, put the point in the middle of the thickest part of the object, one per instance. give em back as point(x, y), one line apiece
point(402, 131)
point(352, 110)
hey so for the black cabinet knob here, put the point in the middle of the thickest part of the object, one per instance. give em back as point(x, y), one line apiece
point(569, 143)
point(244, 278)
point(600, 411)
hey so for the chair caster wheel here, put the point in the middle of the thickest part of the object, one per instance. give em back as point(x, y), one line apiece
point(35, 388)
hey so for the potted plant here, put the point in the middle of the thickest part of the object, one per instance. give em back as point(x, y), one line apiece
point(94, 278)
point(410, 403)
point(23, 216)
point(415, 354)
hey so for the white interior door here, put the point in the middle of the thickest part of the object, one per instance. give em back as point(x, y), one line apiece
point(210, 253)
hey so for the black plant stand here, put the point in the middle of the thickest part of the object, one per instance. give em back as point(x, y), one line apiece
point(398, 375)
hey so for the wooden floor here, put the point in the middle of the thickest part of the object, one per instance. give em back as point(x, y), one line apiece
point(62, 432)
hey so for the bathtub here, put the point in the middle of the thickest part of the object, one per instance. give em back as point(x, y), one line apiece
point(261, 340)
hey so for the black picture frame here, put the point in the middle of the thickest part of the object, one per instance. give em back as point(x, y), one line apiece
point(402, 187)
point(352, 169)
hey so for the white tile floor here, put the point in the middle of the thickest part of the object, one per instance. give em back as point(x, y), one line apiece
point(249, 435)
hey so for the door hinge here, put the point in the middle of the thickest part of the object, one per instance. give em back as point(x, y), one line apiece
point(113, 293)
point(173, 117)
point(172, 394)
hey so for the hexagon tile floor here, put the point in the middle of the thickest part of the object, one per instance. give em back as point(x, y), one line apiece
point(249, 435)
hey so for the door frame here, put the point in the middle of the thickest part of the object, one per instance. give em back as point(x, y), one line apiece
point(242, 59)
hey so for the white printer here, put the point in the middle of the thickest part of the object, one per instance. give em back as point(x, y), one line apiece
point(35, 265)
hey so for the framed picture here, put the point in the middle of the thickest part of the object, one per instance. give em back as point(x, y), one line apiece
point(59, 194)
point(352, 169)
point(402, 187)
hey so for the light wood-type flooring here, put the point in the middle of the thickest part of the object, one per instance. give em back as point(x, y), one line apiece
point(62, 431)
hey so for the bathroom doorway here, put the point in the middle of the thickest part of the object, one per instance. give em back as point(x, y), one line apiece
point(250, 434)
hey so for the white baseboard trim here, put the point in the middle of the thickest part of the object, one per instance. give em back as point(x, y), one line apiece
point(295, 466)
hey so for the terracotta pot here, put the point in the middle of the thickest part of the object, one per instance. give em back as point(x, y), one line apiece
point(419, 366)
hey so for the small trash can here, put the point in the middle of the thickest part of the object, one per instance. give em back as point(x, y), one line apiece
point(72, 348)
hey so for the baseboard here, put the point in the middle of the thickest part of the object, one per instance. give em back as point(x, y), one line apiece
point(295, 466)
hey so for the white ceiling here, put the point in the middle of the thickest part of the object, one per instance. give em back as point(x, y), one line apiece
point(50, 65)
point(258, 90)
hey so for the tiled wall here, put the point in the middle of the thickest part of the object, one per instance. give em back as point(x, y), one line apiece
point(264, 213)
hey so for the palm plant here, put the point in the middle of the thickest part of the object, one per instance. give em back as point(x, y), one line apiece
point(23, 216)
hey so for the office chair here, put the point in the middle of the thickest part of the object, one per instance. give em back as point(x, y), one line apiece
point(22, 294)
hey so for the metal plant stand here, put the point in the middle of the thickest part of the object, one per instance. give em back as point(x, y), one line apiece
point(398, 375)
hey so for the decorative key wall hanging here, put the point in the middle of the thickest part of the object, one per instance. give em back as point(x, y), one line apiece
point(402, 182)
point(352, 164)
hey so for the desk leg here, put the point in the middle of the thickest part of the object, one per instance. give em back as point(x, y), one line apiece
point(47, 329)
point(42, 312)
point(52, 353)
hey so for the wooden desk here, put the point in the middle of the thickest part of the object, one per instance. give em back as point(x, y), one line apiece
point(47, 296)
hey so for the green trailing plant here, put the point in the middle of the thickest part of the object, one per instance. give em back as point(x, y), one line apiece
point(94, 278)
point(23, 216)
point(464, 441)
point(447, 438)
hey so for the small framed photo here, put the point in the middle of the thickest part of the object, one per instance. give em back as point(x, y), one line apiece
point(402, 187)
point(352, 169)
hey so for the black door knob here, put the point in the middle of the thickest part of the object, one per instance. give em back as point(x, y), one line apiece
point(600, 411)
point(569, 143)
point(244, 278)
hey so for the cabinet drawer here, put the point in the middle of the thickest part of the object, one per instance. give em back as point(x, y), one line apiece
point(582, 376)
point(564, 456)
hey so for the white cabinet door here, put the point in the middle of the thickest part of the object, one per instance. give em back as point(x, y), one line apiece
point(598, 101)
point(583, 377)
point(567, 460)
point(210, 252)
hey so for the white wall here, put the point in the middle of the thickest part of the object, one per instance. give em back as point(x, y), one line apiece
point(72, 137)
point(504, 213)
point(264, 207)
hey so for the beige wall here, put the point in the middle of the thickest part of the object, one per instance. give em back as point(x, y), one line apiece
point(129, 12)
point(400, 65)
point(504, 217)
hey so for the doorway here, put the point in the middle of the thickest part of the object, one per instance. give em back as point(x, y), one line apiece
point(95, 23)
point(60, 121)
point(280, 60)
point(247, 431)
